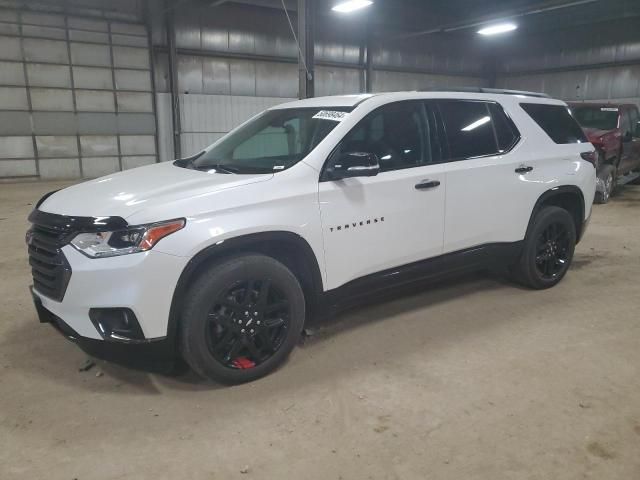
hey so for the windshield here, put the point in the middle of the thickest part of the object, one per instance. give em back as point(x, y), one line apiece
point(273, 141)
point(602, 118)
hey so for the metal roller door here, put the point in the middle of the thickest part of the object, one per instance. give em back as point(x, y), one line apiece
point(76, 96)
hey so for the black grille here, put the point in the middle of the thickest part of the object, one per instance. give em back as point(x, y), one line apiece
point(50, 232)
point(49, 267)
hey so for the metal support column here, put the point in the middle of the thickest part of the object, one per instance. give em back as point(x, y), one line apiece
point(173, 80)
point(306, 38)
point(152, 63)
point(368, 64)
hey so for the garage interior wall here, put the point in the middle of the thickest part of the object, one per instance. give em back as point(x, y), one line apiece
point(75, 90)
point(600, 62)
point(235, 60)
point(78, 82)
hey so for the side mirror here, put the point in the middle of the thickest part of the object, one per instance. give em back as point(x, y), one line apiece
point(354, 164)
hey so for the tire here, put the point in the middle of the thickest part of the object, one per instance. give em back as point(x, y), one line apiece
point(242, 318)
point(609, 185)
point(548, 249)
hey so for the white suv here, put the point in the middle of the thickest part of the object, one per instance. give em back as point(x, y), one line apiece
point(220, 258)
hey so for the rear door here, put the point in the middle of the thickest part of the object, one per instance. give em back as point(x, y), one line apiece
point(396, 217)
point(484, 199)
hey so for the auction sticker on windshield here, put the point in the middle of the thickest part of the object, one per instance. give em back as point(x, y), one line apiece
point(330, 115)
point(609, 109)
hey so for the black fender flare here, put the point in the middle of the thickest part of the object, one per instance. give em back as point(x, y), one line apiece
point(254, 242)
point(555, 192)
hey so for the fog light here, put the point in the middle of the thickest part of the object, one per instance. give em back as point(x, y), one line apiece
point(119, 324)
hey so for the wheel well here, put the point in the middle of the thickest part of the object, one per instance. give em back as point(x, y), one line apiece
point(568, 198)
point(286, 247)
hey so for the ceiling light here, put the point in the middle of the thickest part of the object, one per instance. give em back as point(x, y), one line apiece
point(497, 28)
point(351, 5)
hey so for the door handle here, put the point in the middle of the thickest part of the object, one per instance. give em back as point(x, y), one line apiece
point(425, 184)
point(523, 169)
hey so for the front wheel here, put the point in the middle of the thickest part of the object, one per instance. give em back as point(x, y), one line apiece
point(548, 249)
point(242, 318)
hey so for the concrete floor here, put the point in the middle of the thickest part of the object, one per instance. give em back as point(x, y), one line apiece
point(473, 378)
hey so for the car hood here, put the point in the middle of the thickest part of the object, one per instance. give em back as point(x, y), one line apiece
point(125, 193)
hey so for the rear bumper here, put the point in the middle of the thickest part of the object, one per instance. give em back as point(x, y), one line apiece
point(156, 355)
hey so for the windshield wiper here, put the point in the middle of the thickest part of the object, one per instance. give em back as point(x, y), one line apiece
point(240, 169)
point(188, 162)
point(217, 167)
point(226, 168)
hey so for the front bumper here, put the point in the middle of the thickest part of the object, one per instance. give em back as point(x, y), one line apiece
point(143, 282)
point(157, 355)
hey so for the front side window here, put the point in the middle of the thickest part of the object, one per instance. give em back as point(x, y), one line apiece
point(468, 128)
point(273, 141)
point(396, 133)
point(556, 121)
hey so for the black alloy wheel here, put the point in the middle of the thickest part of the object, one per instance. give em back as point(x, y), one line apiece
point(241, 318)
point(552, 251)
point(248, 323)
point(547, 250)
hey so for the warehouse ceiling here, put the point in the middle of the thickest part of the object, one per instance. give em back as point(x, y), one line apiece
point(461, 15)
point(406, 17)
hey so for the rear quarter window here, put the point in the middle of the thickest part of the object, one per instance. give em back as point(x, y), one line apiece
point(506, 132)
point(556, 121)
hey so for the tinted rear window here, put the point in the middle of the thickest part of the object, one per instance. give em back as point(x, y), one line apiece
point(556, 121)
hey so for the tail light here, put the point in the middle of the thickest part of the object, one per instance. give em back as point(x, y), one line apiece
point(591, 157)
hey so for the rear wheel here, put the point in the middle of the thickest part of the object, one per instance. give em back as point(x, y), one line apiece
point(242, 319)
point(548, 249)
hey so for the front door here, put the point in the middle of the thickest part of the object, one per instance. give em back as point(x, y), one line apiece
point(397, 217)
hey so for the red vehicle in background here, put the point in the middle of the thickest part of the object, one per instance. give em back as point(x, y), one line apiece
point(614, 129)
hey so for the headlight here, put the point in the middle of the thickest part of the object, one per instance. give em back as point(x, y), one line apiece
point(122, 242)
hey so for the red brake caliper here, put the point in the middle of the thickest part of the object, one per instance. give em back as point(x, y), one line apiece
point(243, 363)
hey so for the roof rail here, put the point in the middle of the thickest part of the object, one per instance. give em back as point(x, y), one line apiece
point(486, 90)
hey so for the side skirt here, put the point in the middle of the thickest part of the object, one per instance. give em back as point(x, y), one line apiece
point(493, 255)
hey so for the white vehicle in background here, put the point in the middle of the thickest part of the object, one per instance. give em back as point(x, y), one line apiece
point(222, 257)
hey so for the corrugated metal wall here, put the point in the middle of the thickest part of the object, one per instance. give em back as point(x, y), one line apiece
point(598, 62)
point(77, 84)
point(234, 61)
point(616, 84)
point(75, 94)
